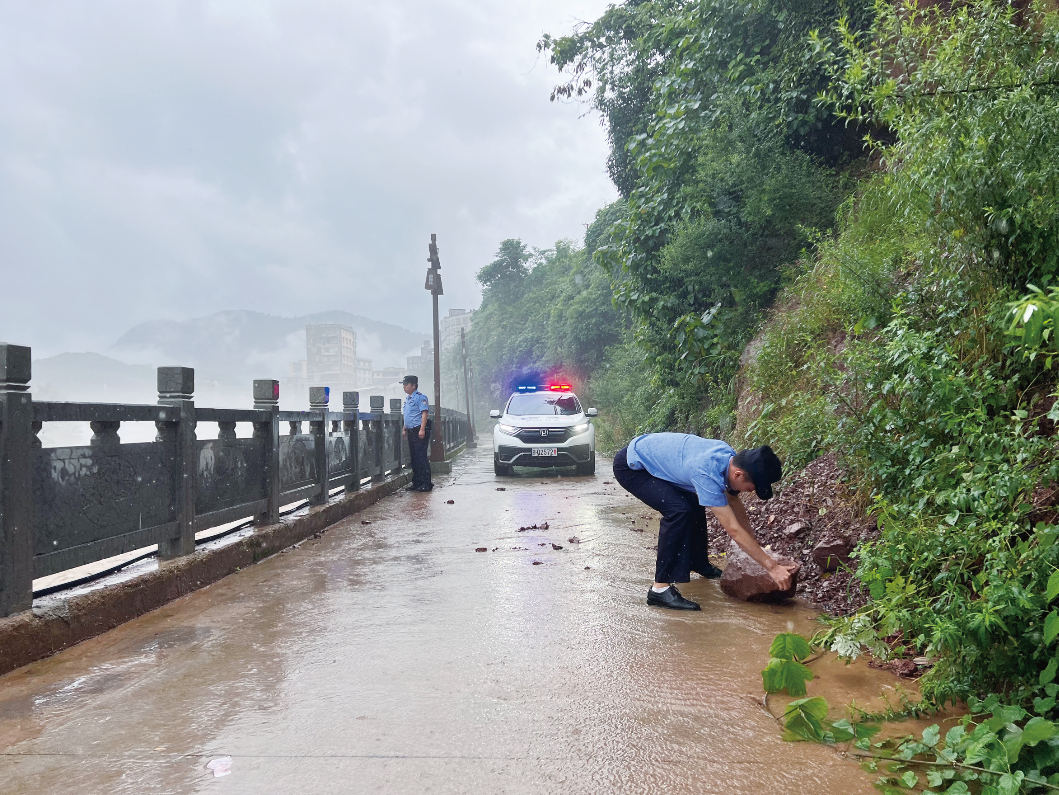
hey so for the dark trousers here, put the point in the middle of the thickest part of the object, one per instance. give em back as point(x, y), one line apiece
point(682, 539)
point(418, 448)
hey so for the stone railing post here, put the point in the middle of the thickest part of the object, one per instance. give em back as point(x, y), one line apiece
point(319, 396)
point(398, 415)
point(266, 398)
point(351, 406)
point(377, 404)
point(176, 387)
point(17, 451)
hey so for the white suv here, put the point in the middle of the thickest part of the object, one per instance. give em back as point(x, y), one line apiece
point(544, 427)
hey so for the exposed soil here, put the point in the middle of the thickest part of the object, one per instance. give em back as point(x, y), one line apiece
point(813, 506)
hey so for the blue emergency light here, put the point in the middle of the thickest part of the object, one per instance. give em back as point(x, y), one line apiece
point(527, 389)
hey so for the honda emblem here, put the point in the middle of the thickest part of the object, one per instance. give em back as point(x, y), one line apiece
point(544, 431)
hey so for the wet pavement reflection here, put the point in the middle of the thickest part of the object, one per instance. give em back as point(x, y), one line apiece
point(391, 656)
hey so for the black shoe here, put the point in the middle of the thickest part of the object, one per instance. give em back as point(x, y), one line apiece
point(709, 571)
point(670, 598)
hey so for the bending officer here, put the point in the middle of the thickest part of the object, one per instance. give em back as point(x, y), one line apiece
point(680, 475)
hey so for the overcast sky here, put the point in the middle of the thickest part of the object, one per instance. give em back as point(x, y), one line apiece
point(171, 159)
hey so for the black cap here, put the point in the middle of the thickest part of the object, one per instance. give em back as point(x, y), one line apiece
point(411, 379)
point(763, 467)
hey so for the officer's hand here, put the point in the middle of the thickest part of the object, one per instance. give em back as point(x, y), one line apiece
point(422, 434)
point(404, 431)
point(781, 575)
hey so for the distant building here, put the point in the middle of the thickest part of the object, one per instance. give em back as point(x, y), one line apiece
point(423, 364)
point(330, 360)
point(450, 326)
point(363, 370)
point(331, 355)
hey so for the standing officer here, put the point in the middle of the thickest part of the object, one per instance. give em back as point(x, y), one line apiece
point(416, 429)
point(680, 476)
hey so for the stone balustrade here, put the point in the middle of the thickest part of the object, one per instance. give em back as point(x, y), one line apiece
point(65, 507)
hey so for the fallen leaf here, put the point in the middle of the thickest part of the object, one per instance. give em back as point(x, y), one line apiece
point(500, 488)
point(364, 521)
point(587, 568)
point(556, 547)
point(495, 549)
point(544, 525)
point(482, 549)
point(573, 540)
point(450, 502)
point(537, 562)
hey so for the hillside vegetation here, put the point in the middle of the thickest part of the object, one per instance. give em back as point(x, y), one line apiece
point(867, 195)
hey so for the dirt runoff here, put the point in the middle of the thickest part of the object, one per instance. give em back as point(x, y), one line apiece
point(813, 507)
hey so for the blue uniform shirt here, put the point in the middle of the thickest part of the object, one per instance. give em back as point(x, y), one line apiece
point(688, 462)
point(414, 406)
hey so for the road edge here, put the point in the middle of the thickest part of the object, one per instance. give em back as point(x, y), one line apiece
point(59, 624)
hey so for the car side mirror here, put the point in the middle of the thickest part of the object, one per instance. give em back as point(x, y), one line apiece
point(494, 414)
point(592, 413)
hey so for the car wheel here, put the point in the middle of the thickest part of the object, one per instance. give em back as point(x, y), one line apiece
point(500, 469)
point(589, 467)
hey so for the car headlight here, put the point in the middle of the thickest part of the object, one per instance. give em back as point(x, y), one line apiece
point(577, 429)
point(510, 430)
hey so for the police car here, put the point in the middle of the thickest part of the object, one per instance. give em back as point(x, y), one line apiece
point(544, 426)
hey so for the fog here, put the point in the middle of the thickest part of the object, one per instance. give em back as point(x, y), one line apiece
point(171, 160)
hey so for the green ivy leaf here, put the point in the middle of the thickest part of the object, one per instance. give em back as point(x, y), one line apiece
point(932, 735)
point(1037, 730)
point(1051, 626)
point(785, 675)
point(910, 779)
point(1053, 585)
point(1048, 674)
point(790, 646)
point(803, 719)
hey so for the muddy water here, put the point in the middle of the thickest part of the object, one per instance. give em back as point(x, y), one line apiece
point(392, 657)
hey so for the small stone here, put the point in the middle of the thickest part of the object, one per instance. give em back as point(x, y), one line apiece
point(573, 540)
point(556, 547)
point(544, 525)
point(903, 667)
point(482, 549)
point(587, 568)
point(500, 488)
point(538, 562)
point(450, 502)
point(832, 552)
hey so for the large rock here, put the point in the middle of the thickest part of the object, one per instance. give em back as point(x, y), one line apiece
point(832, 552)
point(795, 529)
point(744, 578)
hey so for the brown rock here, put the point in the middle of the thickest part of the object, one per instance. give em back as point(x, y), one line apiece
point(795, 529)
point(904, 668)
point(832, 552)
point(744, 578)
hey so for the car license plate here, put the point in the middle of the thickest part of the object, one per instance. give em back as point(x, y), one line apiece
point(545, 451)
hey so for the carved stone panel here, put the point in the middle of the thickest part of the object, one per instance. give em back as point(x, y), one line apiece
point(87, 494)
point(297, 466)
point(230, 472)
point(340, 459)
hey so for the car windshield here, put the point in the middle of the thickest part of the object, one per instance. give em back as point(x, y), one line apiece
point(543, 403)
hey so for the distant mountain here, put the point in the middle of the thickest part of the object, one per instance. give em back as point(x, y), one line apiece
point(237, 346)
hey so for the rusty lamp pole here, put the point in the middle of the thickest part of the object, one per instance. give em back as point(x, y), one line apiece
point(433, 283)
point(471, 440)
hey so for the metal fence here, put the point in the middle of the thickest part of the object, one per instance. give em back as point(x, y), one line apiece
point(65, 507)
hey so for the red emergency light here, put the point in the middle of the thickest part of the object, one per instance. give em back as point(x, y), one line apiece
point(559, 387)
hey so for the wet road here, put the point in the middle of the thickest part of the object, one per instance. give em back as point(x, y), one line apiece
point(392, 657)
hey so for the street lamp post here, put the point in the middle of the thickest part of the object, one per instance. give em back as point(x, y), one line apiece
point(433, 283)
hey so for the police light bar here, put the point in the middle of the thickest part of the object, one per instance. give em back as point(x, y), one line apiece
point(559, 387)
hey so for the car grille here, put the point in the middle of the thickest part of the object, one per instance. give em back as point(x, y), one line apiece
point(543, 435)
point(575, 454)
